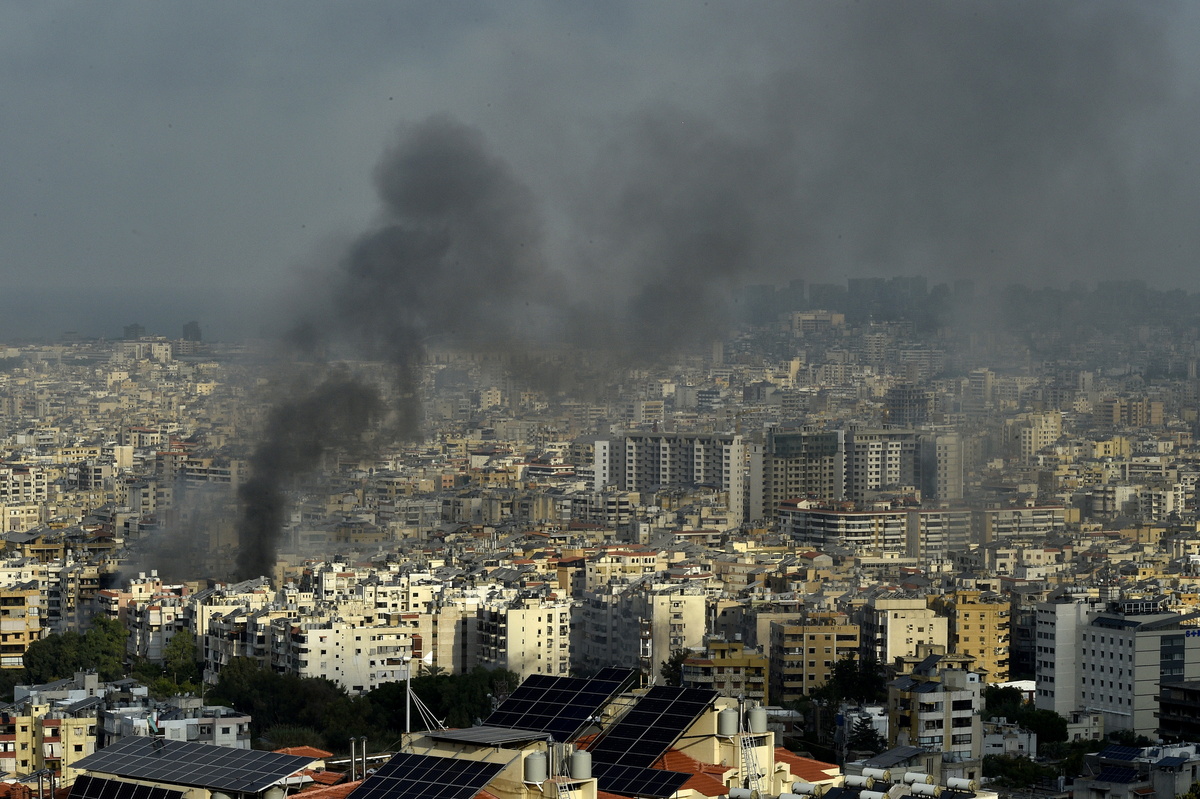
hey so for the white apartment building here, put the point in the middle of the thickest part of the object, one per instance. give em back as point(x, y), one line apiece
point(638, 627)
point(1056, 639)
point(1112, 661)
point(527, 635)
point(655, 461)
point(921, 533)
point(357, 657)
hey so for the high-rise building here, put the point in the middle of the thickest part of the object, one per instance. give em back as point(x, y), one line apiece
point(1115, 661)
point(803, 653)
point(657, 461)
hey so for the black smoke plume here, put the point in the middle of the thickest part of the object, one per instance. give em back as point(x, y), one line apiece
point(455, 255)
point(299, 431)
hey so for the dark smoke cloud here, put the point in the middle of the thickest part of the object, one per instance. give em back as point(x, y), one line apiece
point(1017, 140)
point(997, 141)
point(299, 431)
point(456, 255)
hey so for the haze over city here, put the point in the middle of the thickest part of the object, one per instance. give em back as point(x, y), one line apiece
point(178, 162)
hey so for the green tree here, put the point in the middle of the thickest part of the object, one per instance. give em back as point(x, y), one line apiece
point(459, 699)
point(179, 658)
point(854, 679)
point(863, 737)
point(1004, 702)
point(1128, 738)
point(672, 668)
point(1015, 772)
point(100, 649)
point(286, 700)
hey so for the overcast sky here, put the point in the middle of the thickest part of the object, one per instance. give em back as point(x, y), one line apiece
point(163, 161)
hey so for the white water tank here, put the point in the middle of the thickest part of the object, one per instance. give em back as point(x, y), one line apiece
point(758, 720)
point(742, 793)
point(535, 767)
point(727, 723)
point(925, 789)
point(881, 774)
point(871, 795)
point(959, 784)
point(858, 781)
point(274, 792)
point(807, 789)
point(581, 764)
point(917, 777)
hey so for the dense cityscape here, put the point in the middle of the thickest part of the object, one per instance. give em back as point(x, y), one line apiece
point(554, 399)
point(853, 500)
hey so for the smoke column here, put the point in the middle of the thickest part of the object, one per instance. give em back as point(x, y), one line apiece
point(456, 254)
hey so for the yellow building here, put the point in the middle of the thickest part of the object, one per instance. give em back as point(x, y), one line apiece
point(22, 615)
point(729, 668)
point(35, 738)
point(979, 627)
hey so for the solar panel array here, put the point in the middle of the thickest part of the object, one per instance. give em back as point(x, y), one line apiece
point(86, 787)
point(643, 734)
point(615, 674)
point(408, 776)
point(1118, 774)
point(560, 706)
point(638, 781)
point(1126, 753)
point(219, 768)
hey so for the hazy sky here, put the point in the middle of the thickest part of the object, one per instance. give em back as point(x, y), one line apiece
point(169, 160)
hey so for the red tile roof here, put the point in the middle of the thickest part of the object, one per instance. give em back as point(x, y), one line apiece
point(324, 777)
point(704, 779)
point(305, 751)
point(805, 768)
point(331, 791)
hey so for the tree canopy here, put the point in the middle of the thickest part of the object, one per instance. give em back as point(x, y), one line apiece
point(856, 680)
point(1010, 703)
point(56, 657)
point(672, 668)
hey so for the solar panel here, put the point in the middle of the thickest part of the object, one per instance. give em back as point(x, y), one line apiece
point(1121, 753)
point(615, 674)
point(638, 781)
point(87, 787)
point(408, 776)
point(219, 768)
point(1118, 774)
point(646, 731)
point(559, 706)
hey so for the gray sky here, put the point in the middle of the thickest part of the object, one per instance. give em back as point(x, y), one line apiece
point(164, 161)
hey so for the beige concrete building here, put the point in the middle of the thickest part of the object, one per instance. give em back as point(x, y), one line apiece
point(802, 655)
point(979, 628)
point(893, 625)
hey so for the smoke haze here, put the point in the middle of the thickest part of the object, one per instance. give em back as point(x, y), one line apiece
point(600, 174)
point(1015, 141)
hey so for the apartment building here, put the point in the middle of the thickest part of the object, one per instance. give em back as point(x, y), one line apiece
point(894, 624)
point(940, 709)
point(638, 626)
point(922, 533)
point(730, 668)
point(979, 628)
point(655, 461)
point(803, 653)
point(1113, 660)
